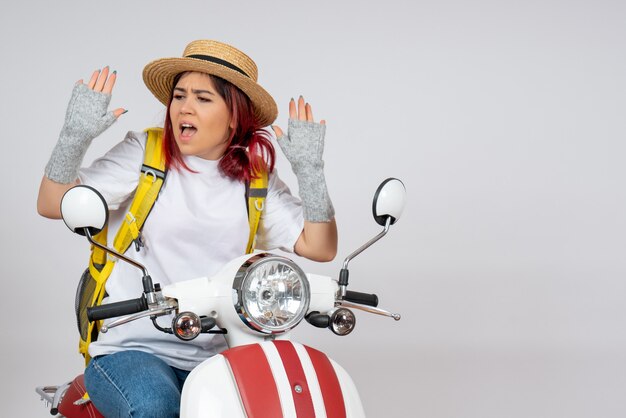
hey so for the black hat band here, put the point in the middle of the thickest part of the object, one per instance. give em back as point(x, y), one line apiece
point(220, 62)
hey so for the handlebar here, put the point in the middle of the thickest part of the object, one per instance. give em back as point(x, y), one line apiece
point(368, 299)
point(111, 310)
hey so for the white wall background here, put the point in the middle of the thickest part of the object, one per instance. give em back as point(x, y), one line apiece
point(505, 120)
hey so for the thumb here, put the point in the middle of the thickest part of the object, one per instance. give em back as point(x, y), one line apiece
point(119, 112)
point(277, 131)
point(108, 120)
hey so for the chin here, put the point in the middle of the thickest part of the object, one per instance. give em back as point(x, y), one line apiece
point(185, 149)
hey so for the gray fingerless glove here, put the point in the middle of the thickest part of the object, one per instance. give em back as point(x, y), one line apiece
point(85, 119)
point(303, 146)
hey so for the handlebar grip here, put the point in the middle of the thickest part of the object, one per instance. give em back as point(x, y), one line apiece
point(111, 310)
point(368, 299)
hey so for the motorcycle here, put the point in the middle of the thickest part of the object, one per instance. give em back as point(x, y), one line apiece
point(255, 301)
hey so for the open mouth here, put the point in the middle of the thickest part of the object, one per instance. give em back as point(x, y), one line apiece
point(187, 130)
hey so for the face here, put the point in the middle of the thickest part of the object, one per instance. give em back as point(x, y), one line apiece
point(200, 118)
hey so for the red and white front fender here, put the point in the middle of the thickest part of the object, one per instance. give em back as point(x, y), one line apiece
point(278, 379)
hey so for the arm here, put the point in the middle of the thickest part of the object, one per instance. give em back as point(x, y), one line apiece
point(303, 146)
point(318, 241)
point(49, 199)
point(86, 118)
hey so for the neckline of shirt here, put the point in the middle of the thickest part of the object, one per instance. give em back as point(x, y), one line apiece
point(200, 164)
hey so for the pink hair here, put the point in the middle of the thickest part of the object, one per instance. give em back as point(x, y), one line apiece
point(250, 149)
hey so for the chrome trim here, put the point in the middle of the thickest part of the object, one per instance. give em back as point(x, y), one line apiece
point(176, 324)
point(367, 244)
point(343, 288)
point(164, 308)
point(240, 279)
point(53, 395)
point(115, 253)
point(369, 309)
point(333, 321)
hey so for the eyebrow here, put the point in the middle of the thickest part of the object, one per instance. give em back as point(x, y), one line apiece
point(194, 91)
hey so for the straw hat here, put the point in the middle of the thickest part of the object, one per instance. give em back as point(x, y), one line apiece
point(217, 58)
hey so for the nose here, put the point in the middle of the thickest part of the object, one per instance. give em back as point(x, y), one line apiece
point(186, 107)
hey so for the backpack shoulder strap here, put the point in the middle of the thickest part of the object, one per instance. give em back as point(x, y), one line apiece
point(150, 181)
point(255, 196)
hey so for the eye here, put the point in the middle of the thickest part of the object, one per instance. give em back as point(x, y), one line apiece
point(178, 96)
point(204, 99)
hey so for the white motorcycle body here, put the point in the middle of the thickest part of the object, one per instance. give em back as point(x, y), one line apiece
point(261, 375)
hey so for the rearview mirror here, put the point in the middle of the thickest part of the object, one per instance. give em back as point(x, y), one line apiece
point(389, 201)
point(83, 207)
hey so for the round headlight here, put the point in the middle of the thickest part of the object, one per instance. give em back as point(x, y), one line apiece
point(271, 293)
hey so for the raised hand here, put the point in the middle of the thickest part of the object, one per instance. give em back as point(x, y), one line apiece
point(102, 82)
point(87, 112)
point(304, 112)
point(304, 147)
point(87, 117)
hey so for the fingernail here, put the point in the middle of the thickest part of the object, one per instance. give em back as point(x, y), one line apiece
point(292, 99)
point(114, 71)
point(124, 111)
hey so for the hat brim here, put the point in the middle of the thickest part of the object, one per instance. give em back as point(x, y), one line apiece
point(159, 78)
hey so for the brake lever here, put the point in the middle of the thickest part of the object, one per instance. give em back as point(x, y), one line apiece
point(161, 307)
point(369, 309)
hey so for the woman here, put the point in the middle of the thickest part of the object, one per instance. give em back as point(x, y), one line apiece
point(213, 142)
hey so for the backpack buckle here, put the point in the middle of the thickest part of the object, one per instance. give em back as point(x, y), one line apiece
point(151, 173)
point(138, 242)
point(134, 230)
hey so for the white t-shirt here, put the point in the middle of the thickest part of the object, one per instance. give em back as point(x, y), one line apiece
point(198, 224)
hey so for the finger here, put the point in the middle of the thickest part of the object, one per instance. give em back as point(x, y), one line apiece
point(323, 122)
point(309, 113)
point(79, 82)
point(108, 85)
point(102, 79)
point(93, 79)
point(277, 131)
point(301, 111)
point(119, 112)
point(292, 109)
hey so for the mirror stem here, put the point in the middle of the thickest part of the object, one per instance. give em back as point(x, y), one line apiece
point(343, 277)
point(147, 281)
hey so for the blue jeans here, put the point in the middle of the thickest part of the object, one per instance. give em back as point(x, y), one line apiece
point(134, 384)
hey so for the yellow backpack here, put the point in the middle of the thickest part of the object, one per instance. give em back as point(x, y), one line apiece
point(91, 288)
